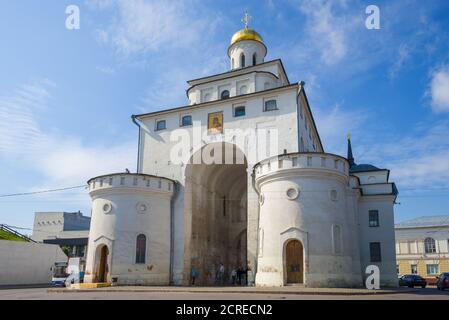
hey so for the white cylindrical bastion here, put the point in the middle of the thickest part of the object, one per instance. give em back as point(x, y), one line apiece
point(307, 227)
point(129, 239)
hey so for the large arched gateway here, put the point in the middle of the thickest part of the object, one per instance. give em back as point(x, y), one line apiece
point(216, 211)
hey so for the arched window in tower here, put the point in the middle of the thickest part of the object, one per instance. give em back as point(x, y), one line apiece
point(336, 236)
point(242, 61)
point(141, 247)
point(429, 245)
point(225, 94)
point(232, 63)
point(254, 59)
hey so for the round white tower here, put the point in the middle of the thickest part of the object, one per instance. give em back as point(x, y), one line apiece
point(129, 239)
point(307, 229)
point(246, 48)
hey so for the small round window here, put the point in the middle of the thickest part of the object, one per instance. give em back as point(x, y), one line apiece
point(107, 207)
point(142, 207)
point(292, 193)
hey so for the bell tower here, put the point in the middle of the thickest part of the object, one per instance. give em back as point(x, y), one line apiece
point(247, 47)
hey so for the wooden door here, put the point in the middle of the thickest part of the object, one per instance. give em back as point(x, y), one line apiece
point(102, 272)
point(294, 262)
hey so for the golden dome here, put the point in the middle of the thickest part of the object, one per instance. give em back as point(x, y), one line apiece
point(246, 34)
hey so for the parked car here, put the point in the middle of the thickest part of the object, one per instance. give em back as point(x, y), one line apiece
point(443, 281)
point(412, 280)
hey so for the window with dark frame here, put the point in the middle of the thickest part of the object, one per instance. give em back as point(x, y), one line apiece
point(375, 253)
point(141, 245)
point(373, 218)
point(161, 125)
point(270, 105)
point(186, 121)
point(239, 111)
point(225, 94)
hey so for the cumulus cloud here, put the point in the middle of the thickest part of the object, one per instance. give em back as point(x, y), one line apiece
point(439, 90)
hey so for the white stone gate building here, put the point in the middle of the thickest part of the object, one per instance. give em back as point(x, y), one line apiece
point(271, 201)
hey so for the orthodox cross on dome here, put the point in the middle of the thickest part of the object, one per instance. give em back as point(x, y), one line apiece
point(246, 19)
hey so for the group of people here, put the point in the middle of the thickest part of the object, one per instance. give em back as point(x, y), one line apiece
point(238, 276)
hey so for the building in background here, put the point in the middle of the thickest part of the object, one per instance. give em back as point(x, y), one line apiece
point(422, 246)
point(25, 262)
point(69, 230)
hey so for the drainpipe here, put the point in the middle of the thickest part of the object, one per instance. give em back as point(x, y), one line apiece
point(253, 183)
point(172, 231)
point(133, 118)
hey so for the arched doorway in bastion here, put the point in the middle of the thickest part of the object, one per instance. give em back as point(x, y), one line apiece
point(101, 263)
point(215, 213)
point(294, 262)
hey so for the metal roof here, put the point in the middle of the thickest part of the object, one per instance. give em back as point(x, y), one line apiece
point(426, 221)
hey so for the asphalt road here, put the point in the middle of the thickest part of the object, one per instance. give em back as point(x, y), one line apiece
point(42, 294)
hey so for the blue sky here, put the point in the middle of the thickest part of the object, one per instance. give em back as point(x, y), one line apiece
point(66, 96)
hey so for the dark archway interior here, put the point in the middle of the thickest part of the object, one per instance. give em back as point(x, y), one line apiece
point(219, 217)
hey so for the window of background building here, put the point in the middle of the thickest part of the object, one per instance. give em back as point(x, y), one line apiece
point(432, 269)
point(429, 245)
point(161, 125)
point(270, 105)
point(239, 111)
point(373, 218)
point(414, 269)
point(374, 250)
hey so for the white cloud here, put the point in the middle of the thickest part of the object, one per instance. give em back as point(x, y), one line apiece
point(106, 70)
point(62, 160)
point(439, 90)
point(147, 26)
point(327, 31)
point(418, 160)
point(335, 123)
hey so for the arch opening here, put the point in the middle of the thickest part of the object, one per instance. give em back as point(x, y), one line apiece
point(216, 202)
point(101, 264)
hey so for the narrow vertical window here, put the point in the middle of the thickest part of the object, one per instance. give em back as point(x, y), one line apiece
point(242, 61)
point(141, 245)
point(374, 250)
point(336, 235)
point(254, 59)
point(373, 218)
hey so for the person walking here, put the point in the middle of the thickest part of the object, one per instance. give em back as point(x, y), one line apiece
point(194, 274)
point(233, 276)
point(221, 270)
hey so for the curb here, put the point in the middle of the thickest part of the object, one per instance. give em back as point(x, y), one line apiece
point(335, 293)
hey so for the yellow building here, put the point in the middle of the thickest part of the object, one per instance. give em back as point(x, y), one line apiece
point(422, 246)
